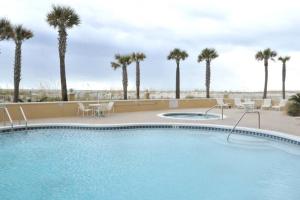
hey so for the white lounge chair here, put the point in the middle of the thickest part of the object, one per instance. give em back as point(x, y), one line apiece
point(238, 103)
point(267, 104)
point(220, 103)
point(83, 109)
point(281, 105)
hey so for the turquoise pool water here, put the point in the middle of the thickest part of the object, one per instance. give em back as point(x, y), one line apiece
point(191, 116)
point(146, 164)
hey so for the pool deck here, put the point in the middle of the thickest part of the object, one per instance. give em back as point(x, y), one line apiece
point(270, 120)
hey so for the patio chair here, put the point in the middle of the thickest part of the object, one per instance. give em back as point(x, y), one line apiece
point(281, 105)
point(220, 103)
point(101, 111)
point(109, 107)
point(83, 109)
point(238, 103)
point(267, 104)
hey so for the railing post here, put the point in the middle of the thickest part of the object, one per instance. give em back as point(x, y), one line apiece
point(9, 117)
point(24, 116)
point(258, 120)
point(222, 112)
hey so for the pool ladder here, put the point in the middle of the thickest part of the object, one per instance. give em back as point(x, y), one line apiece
point(246, 112)
point(10, 119)
point(215, 106)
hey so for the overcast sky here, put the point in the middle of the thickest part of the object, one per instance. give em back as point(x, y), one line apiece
point(237, 30)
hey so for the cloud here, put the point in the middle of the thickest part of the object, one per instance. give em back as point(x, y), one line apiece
point(236, 29)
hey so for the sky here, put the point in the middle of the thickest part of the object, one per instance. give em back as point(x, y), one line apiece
point(236, 29)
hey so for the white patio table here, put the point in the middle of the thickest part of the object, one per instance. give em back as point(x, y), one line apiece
point(98, 109)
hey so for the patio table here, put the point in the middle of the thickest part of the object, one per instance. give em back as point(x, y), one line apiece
point(98, 108)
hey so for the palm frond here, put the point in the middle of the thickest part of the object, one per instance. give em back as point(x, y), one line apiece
point(259, 56)
point(5, 29)
point(62, 17)
point(20, 33)
point(207, 54)
point(295, 98)
point(137, 56)
point(121, 60)
point(284, 59)
point(266, 54)
point(177, 54)
point(115, 65)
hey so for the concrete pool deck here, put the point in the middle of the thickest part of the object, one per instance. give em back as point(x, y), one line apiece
point(270, 120)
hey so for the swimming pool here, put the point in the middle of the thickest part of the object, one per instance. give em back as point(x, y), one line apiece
point(146, 162)
point(191, 116)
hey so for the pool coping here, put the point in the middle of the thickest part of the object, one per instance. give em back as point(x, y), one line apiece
point(268, 134)
point(162, 115)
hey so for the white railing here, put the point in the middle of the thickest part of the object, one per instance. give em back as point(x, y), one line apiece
point(247, 112)
point(8, 115)
point(24, 116)
point(215, 106)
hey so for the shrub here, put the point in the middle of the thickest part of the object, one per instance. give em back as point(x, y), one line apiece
point(294, 105)
point(189, 96)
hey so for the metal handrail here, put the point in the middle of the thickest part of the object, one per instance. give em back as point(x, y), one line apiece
point(24, 116)
point(8, 115)
point(247, 112)
point(222, 109)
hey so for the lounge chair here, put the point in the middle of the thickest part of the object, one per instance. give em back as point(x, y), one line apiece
point(220, 103)
point(238, 103)
point(281, 105)
point(83, 109)
point(267, 104)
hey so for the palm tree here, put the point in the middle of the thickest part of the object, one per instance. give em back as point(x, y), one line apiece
point(207, 55)
point(284, 60)
point(137, 57)
point(18, 34)
point(62, 18)
point(122, 61)
point(265, 56)
point(177, 55)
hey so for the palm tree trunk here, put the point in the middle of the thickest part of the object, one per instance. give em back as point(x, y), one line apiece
point(62, 44)
point(207, 83)
point(138, 79)
point(283, 80)
point(17, 70)
point(125, 81)
point(266, 79)
point(177, 81)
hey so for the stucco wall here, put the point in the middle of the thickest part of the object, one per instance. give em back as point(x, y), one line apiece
point(69, 109)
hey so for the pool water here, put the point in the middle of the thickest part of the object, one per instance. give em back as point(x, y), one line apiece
point(145, 164)
point(191, 116)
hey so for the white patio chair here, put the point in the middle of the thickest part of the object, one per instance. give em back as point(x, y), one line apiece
point(83, 109)
point(281, 105)
point(220, 103)
point(109, 107)
point(238, 103)
point(101, 111)
point(267, 104)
